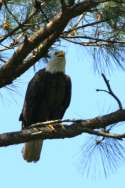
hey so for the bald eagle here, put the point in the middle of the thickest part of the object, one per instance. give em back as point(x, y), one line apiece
point(47, 98)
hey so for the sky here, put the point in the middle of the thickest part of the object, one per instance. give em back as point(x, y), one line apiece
point(61, 160)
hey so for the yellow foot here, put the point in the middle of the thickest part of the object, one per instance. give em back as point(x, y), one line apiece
point(51, 127)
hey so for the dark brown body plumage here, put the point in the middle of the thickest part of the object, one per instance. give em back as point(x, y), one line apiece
point(47, 98)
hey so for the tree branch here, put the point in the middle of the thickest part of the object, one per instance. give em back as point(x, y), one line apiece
point(110, 91)
point(58, 129)
point(8, 72)
point(84, 26)
point(13, 31)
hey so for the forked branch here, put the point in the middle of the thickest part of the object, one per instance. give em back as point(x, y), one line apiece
point(110, 91)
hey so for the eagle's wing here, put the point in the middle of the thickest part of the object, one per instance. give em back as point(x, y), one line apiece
point(32, 98)
point(31, 150)
point(68, 90)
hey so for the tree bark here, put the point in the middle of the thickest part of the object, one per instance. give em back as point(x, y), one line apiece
point(59, 129)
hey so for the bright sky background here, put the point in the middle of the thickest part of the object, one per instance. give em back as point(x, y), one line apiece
point(60, 164)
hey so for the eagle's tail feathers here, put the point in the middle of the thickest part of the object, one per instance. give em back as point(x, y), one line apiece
point(31, 150)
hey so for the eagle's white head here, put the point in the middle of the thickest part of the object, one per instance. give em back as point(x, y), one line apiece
point(57, 62)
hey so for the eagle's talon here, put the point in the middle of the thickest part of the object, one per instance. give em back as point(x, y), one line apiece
point(51, 127)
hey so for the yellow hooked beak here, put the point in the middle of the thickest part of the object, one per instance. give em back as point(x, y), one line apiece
point(60, 54)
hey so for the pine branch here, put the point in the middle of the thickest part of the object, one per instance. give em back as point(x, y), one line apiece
point(62, 129)
point(16, 65)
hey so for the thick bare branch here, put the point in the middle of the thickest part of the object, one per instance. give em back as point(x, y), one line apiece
point(57, 129)
point(8, 72)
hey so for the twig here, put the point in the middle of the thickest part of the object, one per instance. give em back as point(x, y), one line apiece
point(5, 4)
point(86, 25)
point(17, 28)
point(110, 92)
point(110, 42)
point(56, 122)
point(107, 134)
point(95, 43)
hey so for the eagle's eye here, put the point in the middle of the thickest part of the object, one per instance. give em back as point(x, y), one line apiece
point(56, 53)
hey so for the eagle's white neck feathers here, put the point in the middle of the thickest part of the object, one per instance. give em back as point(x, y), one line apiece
point(57, 64)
